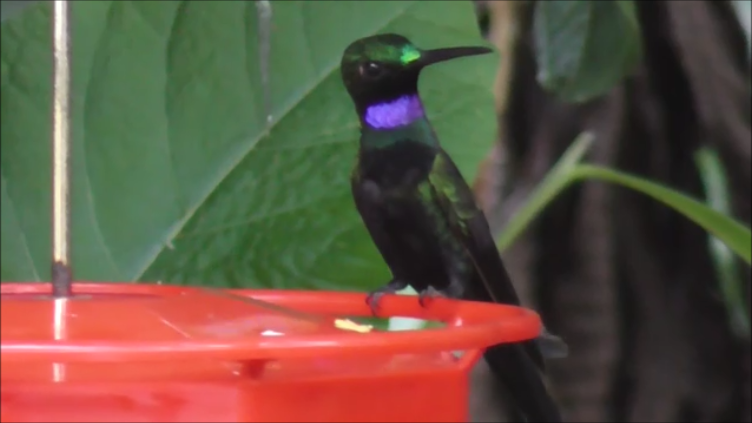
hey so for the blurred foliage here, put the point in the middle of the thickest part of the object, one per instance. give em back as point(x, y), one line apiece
point(727, 235)
point(744, 13)
point(713, 218)
point(732, 285)
point(585, 47)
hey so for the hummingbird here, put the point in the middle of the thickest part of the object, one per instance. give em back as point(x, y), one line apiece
point(421, 213)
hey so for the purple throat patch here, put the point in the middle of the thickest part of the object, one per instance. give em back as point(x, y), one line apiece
point(396, 113)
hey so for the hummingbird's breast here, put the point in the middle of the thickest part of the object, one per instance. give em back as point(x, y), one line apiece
point(398, 167)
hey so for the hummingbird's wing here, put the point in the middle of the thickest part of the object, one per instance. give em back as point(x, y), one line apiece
point(469, 224)
point(491, 281)
point(516, 364)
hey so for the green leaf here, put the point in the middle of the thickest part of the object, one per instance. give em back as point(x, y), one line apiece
point(734, 234)
point(11, 8)
point(713, 177)
point(584, 48)
point(177, 176)
point(569, 170)
point(743, 9)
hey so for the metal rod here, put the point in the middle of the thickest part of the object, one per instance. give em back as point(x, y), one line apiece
point(264, 19)
point(61, 271)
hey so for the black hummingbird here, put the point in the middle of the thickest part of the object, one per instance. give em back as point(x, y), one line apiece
point(419, 210)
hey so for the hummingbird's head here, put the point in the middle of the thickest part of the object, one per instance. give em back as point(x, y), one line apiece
point(384, 67)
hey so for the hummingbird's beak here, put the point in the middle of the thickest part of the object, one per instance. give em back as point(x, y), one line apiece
point(429, 57)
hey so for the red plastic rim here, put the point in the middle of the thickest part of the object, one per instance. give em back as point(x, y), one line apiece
point(470, 325)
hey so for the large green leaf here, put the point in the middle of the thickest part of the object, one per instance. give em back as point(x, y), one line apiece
point(10, 8)
point(175, 175)
point(585, 47)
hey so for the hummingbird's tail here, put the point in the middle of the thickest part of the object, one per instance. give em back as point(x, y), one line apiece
point(491, 283)
point(518, 365)
point(517, 371)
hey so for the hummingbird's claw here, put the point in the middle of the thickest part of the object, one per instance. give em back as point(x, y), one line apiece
point(428, 294)
point(392, 287)
point(372, 300)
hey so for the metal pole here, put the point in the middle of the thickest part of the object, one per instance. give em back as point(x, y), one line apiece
point(61, 270)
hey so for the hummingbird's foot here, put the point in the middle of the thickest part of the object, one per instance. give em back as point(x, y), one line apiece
point(428, 294)
point(374, 297)
point(373, 300)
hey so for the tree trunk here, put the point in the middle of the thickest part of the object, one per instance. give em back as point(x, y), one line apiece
point(626, 281)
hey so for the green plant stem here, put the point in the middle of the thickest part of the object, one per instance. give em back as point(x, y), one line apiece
point(557, 179)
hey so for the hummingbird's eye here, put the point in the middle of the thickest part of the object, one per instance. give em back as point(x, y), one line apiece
point(371, 70)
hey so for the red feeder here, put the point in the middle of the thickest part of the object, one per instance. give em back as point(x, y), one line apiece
point(159, 353)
